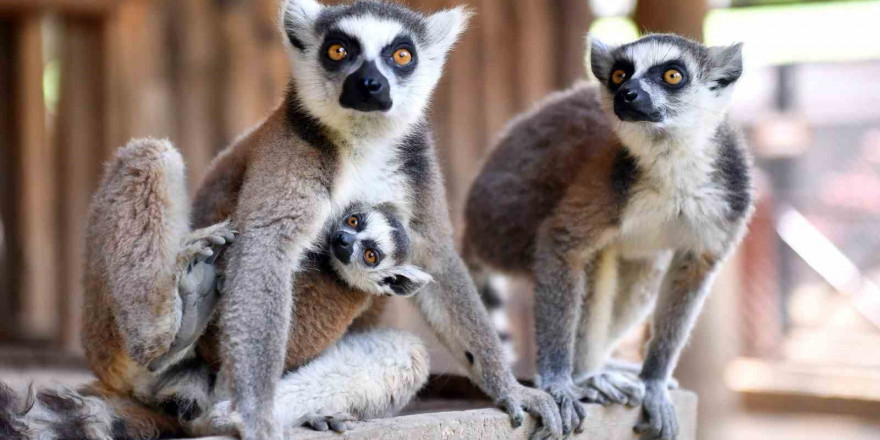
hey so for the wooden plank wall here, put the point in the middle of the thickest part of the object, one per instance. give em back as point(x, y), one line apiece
point(200, 72)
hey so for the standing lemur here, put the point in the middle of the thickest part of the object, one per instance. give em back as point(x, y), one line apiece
point(351, 129)
point(618, 199)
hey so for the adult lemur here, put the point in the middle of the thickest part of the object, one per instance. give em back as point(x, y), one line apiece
point(351, 129)
point(609, 194)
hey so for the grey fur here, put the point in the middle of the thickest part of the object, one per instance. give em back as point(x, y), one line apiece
point(593, 208)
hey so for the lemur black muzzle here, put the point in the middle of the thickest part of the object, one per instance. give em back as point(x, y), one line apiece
point(342, 244)
point(633, 104)
point(366, 90)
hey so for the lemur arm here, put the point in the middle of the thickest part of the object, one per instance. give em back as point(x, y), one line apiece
point(452, 308)
point(685, 288)
point(278, 215)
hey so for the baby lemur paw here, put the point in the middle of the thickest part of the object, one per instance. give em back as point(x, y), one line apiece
point(338, 423)
point(609, 387)
point(659, 420)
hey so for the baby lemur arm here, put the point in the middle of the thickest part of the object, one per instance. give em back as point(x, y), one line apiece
point(682, 295)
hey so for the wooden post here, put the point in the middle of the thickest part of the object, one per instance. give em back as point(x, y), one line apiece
point(683, 17)
point(36, 207)
point(10, 245)
point(81, 149)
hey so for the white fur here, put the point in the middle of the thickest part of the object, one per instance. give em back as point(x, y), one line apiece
point(363, 376)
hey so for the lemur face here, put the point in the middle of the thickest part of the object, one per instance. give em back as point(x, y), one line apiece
point(367, 60)
point(665, 80)
point(369, 250)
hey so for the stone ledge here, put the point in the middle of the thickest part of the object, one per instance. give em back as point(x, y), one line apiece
point(603, 423)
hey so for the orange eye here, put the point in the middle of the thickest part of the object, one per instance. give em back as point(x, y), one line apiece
point(352, 221)
point(371, 257)
point(672, 77)
point(618, 76)
point(337, 52)
point(402, 57)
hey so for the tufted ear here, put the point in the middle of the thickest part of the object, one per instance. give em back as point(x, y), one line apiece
point(599, 58)
point(404, 280)
point(727, 65)
point(297, 17)
point(445, 27)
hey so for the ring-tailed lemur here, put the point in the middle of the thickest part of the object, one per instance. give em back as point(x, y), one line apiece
point(367, 244)
point(608, 194)
point(351, 129)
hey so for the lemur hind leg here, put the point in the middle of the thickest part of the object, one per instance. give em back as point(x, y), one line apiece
point(634, 295)
point(151, 280)
point(365, 375)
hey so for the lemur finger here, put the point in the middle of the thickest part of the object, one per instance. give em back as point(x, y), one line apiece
point(609, 390)
point(565, 412)
point(581, 411)
point(670, 427)
point(515, 412)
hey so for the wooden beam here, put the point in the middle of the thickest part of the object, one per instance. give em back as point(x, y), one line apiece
point(683, 17)
point(80, 148)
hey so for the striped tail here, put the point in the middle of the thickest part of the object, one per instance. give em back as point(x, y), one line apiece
point(87, 414)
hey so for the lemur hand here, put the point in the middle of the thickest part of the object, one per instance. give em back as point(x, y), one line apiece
point(659, 421)
point(537, 403)
point(196, 286)
point(571, 410)
point(607, 387)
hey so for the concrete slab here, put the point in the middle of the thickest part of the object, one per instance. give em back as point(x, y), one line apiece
point(611, 423)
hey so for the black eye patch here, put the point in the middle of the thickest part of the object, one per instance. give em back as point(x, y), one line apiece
point(626, 66)
point(657, 72)
point(351, 45)
point(401, 42)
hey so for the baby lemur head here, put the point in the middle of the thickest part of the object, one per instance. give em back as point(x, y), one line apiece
point(366, 62)
point(369, 249)
point(664, 82)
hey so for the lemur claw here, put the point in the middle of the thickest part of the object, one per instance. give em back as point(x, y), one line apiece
point(659, 421)
point(538, 404)
point(338, 423)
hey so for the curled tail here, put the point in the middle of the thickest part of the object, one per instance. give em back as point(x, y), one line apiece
point(90, 413)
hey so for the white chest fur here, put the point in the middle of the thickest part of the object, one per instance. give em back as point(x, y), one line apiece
point(371, 174)
point(676, 203)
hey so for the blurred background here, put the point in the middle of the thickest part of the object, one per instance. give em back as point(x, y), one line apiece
point(788, 346)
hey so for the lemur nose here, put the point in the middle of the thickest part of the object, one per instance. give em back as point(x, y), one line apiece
point(371, 85)
point(342, 239)
point(630, 96)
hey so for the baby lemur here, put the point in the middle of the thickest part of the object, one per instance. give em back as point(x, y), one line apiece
point(618, 199)
point(142, 199)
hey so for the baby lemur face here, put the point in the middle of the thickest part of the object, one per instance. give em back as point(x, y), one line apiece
point(665, 80)
point(369, 249)
point(367, 61)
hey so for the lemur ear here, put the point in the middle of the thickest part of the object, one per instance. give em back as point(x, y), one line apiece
point(405, 280)
point(727, 64)
point(297, 17)
point(446, 26)
point(599, 58)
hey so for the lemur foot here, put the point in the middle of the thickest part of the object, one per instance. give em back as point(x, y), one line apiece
point(609, 387)
point(197, 287)
point(338, 423)
point(659, 421)
point(634, 368)
point(538, 404)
